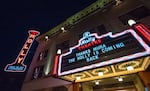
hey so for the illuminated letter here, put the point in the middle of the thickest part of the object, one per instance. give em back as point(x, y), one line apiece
point(22, 52)
point(19, 60)
point(29, 40)
point(26, 46)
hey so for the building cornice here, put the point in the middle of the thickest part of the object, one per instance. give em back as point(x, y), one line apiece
point(76, 18)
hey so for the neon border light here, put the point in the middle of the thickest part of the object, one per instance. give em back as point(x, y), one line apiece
point(143, 30)
point(55, 67)
point(128, 57)
point(18, 65)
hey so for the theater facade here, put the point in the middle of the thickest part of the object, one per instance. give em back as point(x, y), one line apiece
point(104, 47)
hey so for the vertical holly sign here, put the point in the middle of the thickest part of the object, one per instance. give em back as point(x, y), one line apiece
point(18, 65)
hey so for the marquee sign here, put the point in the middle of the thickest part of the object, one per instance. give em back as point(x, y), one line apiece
point(18, 65)
point(95, 51)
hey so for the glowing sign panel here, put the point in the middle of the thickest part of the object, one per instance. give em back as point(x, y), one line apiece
point(95, 51)
point(18, 65)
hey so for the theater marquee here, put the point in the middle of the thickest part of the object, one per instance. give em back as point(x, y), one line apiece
point(95, 51)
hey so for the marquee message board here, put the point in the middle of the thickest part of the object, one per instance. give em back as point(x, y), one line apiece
point(95, 51)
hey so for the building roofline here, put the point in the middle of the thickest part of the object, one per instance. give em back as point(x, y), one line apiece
point(74, 19)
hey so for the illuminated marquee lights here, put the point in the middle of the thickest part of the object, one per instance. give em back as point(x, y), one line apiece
point(143, 30)
point(80, 46)
point(18, 65)
point(54, 72)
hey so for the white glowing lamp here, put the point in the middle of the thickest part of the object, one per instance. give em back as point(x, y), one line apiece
point(131, 22)
point(63, 29)
point(120, 79)
point(130, 68)
point(97, 83)
point(100, 74)
point(59, 51)
point(78, 78)
point(46, 37)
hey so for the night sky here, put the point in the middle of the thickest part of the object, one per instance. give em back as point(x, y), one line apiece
point(16, 18)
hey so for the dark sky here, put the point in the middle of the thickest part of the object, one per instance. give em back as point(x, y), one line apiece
point(17, 17)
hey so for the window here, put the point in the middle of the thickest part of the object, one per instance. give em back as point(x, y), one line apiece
point(38, 71)
point(135, 14)
point(91, 30)
point(43, 55)
point(64, 46)
point(101, 29)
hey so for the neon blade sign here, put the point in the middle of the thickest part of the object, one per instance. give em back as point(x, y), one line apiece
point(18, 65)
point(77, 58)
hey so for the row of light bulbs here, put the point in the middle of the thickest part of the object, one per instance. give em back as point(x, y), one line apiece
point(120, 79)
point(63, 30)
point(130, 22)
point(129, 68)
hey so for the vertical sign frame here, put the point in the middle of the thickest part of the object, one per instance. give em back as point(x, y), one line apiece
point(18, 65)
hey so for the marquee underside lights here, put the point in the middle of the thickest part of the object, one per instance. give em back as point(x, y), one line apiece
point(95, 51)
point(18, 65)
point(120, 79)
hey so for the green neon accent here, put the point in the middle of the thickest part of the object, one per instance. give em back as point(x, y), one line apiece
point(74, 19)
